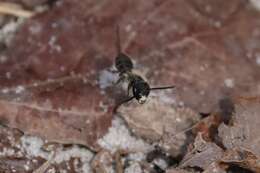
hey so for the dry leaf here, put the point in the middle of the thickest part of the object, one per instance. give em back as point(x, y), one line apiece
point(245, 132)
point(202, 155)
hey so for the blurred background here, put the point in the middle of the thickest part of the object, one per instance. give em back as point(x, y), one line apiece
point(56, 79)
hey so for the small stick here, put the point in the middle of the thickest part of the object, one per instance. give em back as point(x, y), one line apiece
point(45, 165)
point(14, 9)
point(119, 164)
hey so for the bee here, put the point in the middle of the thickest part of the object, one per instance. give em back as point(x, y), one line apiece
point(136, 84)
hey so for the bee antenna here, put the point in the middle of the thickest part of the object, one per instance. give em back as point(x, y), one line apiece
point(122, 102)
point(118, 40)
point(162, 88)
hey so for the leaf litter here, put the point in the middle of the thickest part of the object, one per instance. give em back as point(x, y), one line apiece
point(44, 90)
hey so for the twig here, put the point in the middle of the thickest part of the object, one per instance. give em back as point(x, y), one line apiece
point(46, 164)
point(14, 9)
point(119, 164)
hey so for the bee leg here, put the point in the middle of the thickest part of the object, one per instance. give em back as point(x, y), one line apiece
point(113, 71)
point(121, 79)
point(122, 102)
point(129, 89)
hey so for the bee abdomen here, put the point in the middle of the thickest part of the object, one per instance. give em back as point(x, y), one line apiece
point(123, 63)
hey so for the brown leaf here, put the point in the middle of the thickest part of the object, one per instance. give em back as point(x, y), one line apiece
point(244, 133)
point(202, 155)
point(242, 158)
point(215, 168)
point(174, 42)
point(43, 95)
point(159, 121)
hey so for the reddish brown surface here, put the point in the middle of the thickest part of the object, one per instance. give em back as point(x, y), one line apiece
point(188, 50)
point(196, 45)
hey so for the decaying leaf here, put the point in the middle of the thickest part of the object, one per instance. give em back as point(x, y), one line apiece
point(245, 132)
point(214, 168)
point(242, 158)
point(202, 155)
point(49, 90)
point(160, 122)
point(51, 72)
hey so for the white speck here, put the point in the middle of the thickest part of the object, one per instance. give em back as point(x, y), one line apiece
point(8, 30)
point(52, 43)
point(17, 99)
point(103, 106)
point(178, 119)
point(217, 24)
point(3, 58)
point(258, 59)
point(54, 25)
point(202, 68)
point(119, 137)
point(202, 92)
point(85, 80)
point(229, 83)
point(8, 75)
point(62, 68)
point(5, 90)
point(134, 168)
point(59, 3)
point(41, 8)
point(181, 103)
point(128, 28)
point(52, 170)
point(76, 164)
point(161, 163)
point(35, 28)
point(215, 170)
point(106, 79)
point(27, 166)
point(19, 89)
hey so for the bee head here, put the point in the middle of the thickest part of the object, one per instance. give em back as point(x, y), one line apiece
point(141, 90)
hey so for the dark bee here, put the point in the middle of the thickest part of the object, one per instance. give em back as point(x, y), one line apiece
point(124, 65)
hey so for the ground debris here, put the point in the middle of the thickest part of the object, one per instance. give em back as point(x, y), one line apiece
point(202, 154)
point(242, 158)
point(244, 131)
point(57, 85)
point(160, 122)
